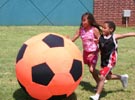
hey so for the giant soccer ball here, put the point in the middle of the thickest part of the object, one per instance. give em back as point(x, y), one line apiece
point(49, 67)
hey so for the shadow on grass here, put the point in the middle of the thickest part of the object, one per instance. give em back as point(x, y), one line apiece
point(71, 97)
point(20, 94)
point(87, 86)
point(104, 93)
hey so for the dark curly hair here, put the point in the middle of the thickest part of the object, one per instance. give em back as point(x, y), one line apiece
point(111, 24)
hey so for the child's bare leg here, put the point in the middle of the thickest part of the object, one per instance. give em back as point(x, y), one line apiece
point(122, 78)
point(94, 73)
point(101, 84)
point(99, 89)
point(113, 77)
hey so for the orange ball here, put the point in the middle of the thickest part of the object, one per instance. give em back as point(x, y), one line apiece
point(49, 66)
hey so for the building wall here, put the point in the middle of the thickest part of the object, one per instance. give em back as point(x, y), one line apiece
point(43, 12)
point(113, 10)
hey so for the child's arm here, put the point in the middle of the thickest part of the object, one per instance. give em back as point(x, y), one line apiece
point(96, 34)
point(120, 36)
point(76, 36)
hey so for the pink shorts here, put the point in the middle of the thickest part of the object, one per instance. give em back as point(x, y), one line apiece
point(106, 70)
point(90, 58)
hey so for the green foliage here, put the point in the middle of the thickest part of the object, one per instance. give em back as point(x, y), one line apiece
point(12, 37)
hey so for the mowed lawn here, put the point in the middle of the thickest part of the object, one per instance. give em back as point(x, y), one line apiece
point(12, 38)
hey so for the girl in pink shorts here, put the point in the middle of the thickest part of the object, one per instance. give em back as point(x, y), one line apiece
point(89, 32)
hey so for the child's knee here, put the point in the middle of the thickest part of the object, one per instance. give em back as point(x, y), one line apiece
point(102, 78)
point(108, 77)
point(91, 69)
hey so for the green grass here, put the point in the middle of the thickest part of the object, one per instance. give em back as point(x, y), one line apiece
point(12, 38)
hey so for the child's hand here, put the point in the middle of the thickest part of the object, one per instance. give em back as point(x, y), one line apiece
point(67, 36)
point(96, 41)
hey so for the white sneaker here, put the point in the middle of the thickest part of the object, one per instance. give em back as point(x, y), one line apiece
point(105, 81)
point(124, 80)
point(93, 98)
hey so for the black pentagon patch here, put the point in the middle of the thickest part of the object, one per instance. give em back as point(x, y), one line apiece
point(59, 97)
point(21, 52)
point(54, 41)
point(42, 74)
point(76, 70)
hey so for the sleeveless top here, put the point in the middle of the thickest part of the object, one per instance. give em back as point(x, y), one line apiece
point(88, 42)
point(107, 46)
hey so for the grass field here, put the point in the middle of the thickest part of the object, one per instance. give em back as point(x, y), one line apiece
point(12, 38)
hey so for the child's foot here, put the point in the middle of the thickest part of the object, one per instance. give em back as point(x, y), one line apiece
point(105, 81)
point(94, 97)
point(124, 80)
